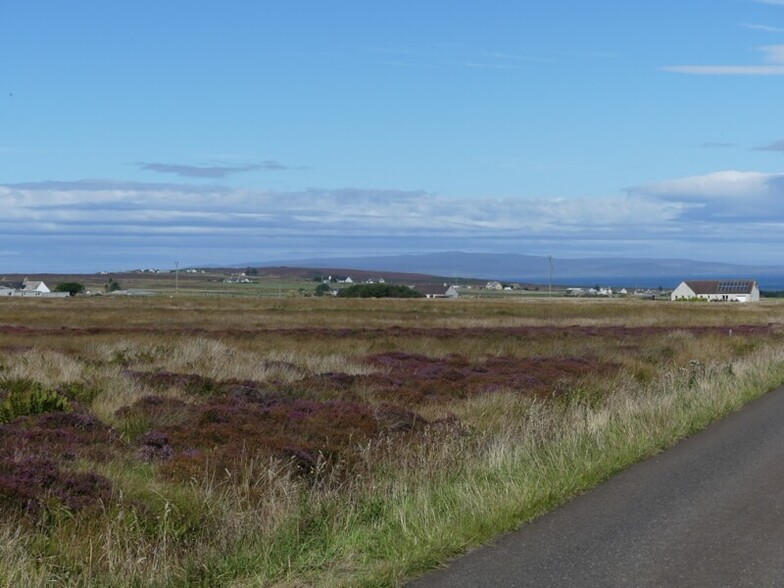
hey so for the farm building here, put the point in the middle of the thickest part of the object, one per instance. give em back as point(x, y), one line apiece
point(717, 290)
point(437, 291)
point(29, 288)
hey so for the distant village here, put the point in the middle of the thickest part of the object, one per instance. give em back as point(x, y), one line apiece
point(726, 290)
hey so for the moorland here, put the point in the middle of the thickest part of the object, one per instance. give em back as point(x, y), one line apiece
point(241, 441)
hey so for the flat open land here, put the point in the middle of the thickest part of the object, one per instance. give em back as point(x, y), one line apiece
point(237, 441)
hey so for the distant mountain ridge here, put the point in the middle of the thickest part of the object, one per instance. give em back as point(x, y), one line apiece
point(531, 268)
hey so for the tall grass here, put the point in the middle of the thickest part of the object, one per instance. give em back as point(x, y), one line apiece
point(457, 491)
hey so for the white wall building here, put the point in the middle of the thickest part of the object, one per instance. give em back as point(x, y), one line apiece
point(717, 290)
point(30, 288)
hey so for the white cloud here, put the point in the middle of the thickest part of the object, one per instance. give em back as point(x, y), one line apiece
point(88, 225)
point(513, 57)
point(724, 197)
point(759, 27)
point(773, 55)
point(723, 184)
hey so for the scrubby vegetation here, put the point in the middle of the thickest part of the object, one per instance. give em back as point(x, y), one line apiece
point(73, 288)
point(378, 291)
point(203, 442)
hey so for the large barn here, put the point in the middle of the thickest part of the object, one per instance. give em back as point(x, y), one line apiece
point(717, 290)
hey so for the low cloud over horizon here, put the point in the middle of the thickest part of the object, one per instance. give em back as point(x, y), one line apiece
point(89, 225)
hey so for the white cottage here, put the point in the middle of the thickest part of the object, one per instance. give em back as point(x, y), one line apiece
point(31, 286)
point(717, 290)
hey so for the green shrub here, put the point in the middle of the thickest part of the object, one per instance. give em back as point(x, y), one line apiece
point(73, 288)
point(379, 291)
point(79, 392)
point(23, 397)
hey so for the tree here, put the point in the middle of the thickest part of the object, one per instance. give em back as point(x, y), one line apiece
point(73, 288)
point(112, 285)
point(323, 289)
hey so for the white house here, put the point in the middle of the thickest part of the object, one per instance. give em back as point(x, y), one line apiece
point(494, 286)
point(31, 286)
point(717, 290)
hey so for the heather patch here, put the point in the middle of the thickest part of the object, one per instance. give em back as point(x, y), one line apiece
point(66, 436)
point(198, 385)
point(223, 431)
point(30, 485)
point(154, 447)
point(417, 378)
point(148, 413)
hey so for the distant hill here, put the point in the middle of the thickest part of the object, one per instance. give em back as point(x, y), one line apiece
point(535, 269)
point(303, 271)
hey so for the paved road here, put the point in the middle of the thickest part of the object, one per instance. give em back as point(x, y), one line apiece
point(707, 512)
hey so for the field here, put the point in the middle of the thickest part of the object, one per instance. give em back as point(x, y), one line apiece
point(244, 441)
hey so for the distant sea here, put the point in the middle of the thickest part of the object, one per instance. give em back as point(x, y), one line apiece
point(766, 282)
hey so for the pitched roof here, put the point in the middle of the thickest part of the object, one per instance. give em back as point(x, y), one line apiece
point(721, 286)
point(432, 289)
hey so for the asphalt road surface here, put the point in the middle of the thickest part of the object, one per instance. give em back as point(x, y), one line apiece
point(707, 512)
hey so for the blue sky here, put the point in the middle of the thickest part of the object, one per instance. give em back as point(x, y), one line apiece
point(134, 134)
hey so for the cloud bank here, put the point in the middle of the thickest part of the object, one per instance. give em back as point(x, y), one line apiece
point(91, 225)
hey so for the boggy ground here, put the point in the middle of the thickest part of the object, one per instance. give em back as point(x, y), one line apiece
point(143, 410)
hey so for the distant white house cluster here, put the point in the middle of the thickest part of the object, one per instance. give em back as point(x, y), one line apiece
point(29, 288)
point(717, 291)
point(601, 291)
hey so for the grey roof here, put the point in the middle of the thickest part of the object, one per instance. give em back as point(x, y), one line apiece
point(12, 285)
point(432, 289)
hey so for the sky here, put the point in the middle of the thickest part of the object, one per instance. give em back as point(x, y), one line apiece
point(143, 133)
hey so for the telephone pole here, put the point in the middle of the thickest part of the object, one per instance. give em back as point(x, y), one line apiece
point(550, 283)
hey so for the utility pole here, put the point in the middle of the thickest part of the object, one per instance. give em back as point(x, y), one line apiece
point(550, 283)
